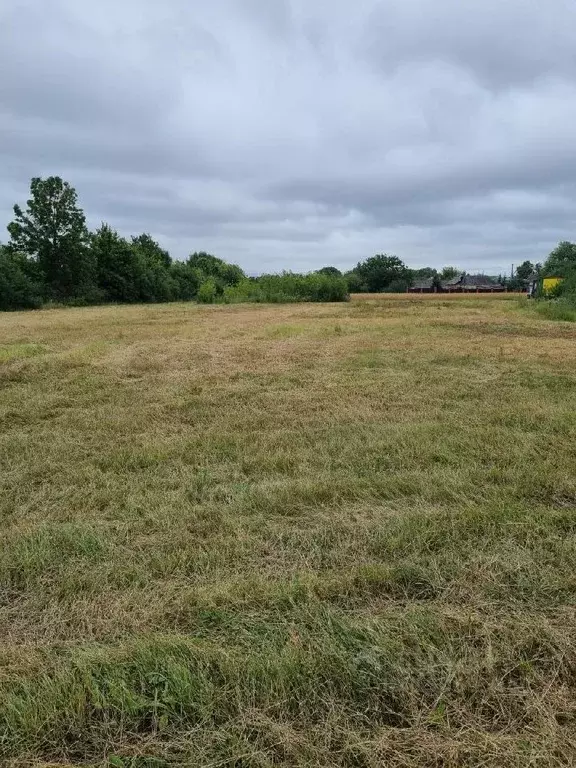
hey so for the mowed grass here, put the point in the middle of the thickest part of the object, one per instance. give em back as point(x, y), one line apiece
point(300, 535)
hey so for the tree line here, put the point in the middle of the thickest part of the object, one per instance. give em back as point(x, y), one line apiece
point(52, 256)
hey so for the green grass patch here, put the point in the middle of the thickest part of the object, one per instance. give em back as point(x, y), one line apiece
point(10, 352)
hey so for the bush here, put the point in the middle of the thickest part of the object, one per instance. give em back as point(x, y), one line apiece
point(222, 272)
point(288, 287)
point(207, 292)
point(355, 283)
point(18, 287)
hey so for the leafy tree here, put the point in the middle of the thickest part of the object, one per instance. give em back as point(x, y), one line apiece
point(520, 280)
point(424, 273)
point(20, 287)
point(525, 270)
point(355, 283)
point(52, 230)
point(380, 271)
point(330, 271)
point(562, 260)
point(186, 279)
point(118, 269)
point(151, 250)
point(155, 281)
point(222, 272)
point(449, 273)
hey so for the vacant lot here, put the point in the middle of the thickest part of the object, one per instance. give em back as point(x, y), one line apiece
point(315, 535)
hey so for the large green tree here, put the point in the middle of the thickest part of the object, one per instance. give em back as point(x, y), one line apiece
point(382, 272)
point(212, 268)
point(151, 250)
point(525, 270)
point(330, 271)
point(562, 260)
point(52, 230)
point(156, 283)
point(187, 280)
point(118, 268)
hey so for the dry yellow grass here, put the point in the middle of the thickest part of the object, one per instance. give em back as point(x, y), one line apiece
point(299, 535)
point(388, 297)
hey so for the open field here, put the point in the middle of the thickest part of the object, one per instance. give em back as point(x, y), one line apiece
point(471, 295)
point(299, 535)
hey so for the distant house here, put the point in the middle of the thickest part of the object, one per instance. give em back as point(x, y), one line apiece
point(464, 283)
point(427, 285)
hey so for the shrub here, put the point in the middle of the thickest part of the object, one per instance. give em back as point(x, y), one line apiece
point(288, 287)
point(207, 292)
point(560, 302)
point(18, 288)
point(355, 283)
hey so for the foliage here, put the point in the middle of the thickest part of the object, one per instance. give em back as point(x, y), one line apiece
point(151, 251)
point(52, 256)
point(520, 280)
point(155, 282)
point(209, 266)
point(559, 303)
point(52, 230)
point(424, 273)
point(561, 261)
point(559, 309)
point(380, 272)
point(208, 291)
point(118, 269)
point(525, 270)
point(19, 285)
point(449, 273)
point(186, 280)
point(289, 287)
point(355, 283)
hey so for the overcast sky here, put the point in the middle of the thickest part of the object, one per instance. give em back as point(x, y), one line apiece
point(291, 134)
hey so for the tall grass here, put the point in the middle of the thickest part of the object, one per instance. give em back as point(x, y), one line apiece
point(557, 309)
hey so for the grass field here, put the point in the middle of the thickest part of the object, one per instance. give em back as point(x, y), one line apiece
point(298, 535)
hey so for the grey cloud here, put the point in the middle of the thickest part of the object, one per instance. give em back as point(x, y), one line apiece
point(295, 133)
point(503, 44)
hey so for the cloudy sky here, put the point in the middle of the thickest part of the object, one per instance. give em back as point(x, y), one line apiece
point(297, 133)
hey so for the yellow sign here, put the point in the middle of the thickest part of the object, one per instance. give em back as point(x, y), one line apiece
point(550, 283)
